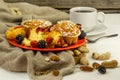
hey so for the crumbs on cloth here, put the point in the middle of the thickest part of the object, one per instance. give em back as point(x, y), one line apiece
point(15, 11)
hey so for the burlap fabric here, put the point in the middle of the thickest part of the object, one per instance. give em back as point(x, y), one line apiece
point(19, 60)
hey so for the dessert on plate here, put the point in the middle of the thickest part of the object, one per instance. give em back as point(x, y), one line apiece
point(68, 30)
point(43, 34)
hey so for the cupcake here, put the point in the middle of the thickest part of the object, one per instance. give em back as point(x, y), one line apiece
point(36, 23)
point(68, 30)
point(36, 28)
point(39, 24)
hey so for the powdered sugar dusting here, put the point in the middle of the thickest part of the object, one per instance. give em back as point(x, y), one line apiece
point(66, 28)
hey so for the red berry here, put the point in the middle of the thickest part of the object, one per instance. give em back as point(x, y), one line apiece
point(49, 40)
point(38, 29)
point(46, 30)
point(34, 43)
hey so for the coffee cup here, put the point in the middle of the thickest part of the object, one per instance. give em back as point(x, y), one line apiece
point(88, 17)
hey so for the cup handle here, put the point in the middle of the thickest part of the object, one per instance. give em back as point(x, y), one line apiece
point(100, 17)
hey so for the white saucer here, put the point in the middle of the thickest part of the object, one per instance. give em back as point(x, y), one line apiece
point(99, 29)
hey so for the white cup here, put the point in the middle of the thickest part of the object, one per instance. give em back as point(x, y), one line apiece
point(88, 17)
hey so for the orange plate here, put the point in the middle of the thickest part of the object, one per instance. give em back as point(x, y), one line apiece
point(79, 43)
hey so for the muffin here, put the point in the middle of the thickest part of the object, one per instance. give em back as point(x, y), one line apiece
point(36, 23)
point(40, 25)
point(36, 28)
point(68, 30)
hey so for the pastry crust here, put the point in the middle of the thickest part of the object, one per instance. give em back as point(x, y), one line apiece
point(68, 30)
point(36, 23)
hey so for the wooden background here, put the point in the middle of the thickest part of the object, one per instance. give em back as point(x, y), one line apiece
point(107, 6)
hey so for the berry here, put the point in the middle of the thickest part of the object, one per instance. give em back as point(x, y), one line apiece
point(38, 29)
point(102, 69)
point(49, 40)
point(19, 38)
point(82, 35)
point(42, 44)
point(42, 30)
point(34, 43)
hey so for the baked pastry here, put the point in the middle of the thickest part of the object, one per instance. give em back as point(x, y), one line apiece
point(68, 30)
point(35, 28)
point(40, 30)
point(12, 32)
point(26, 42)
point(36, 35)
point(52, 39)
point(40, 34)
point(36, 23)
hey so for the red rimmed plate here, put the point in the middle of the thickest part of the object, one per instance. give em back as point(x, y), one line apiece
point(79, 43)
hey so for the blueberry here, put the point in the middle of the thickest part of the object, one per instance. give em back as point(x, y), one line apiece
point(82, 35)
point(102, 69)
point(42, 44)
point(19, 38)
